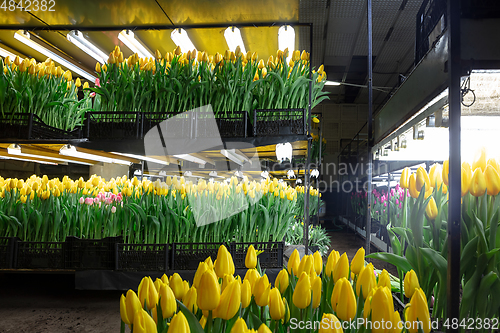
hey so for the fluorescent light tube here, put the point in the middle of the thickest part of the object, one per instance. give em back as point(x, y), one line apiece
point(144, 158)
point(24, 37)
point(231, 154)
point(69, 150)
point(25, 160)
point(286, 39)
point(16, 150)
point(181, 38)
point(233, 39)
point(134, 44)
point(4, 53)
point(332, 83)
point(76, 37)
point(190, 158)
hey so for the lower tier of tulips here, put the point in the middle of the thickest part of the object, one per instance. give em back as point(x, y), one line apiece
point(39, 209)
point(307, 296)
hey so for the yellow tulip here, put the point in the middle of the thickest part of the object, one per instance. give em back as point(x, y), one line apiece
point(358, 262)
point(251, 258)
point(316, 289)
point(422, 179)
point(167, 301)
point(226, 280)
point(492, 180)
point(179, 324)
point(431, 209)
point(405, 178)
point(143, 323)
point(330, 324)
point(224, 264)
point(419, 310)
point(318, 263)
point(413, 186)
point(466, 178)
point(230, 301)
point(333, 257)
point(302, 292)
point(240, 326)
point(446, 171)
point(147, 293)
point(341, 269)
point(246, 294)
point(164, 279)
point(306, 264)
point(479, 160)
point(382, 308)
point(435, 175)
point(366, 281)
point(276, 305)
point(343, 300)
point(252, 275)
point(190, 298)
point(384, 279)
point(123, 310)
point(263, 329)
point(202, 268)
point(208, 291)
point(293, 263)
point(477, 185)
point(410, 283)
point(493, 162)
point(176, 284)
point(261, 290)
point(131, 306)
point(282, 281)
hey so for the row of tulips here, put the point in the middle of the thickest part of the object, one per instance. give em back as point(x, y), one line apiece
point(308, 296)
point(39, 209)
point(43, 89)
point(420, 243)
point(179, 81)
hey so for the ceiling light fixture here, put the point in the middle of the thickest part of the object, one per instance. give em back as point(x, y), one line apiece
point(15, 149)
point(144, 158)
point(23, 159)
point(190, 158)
point(24, 37)
point(233, 39)
point(180, 38)
point(332, 83)
point(286, 39)
point(231, 155)
point(4, 53)
point(134, 44)
point(69, 150)
point(76, 37)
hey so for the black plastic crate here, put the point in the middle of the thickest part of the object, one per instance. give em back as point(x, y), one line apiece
point(189, 255)
point(272, 257)
point(100, 125)
point(274, 122)
point(8, 247)
point(29, 126)
point(171, 124)
point(40, 255)
point(142, 257)
point(91, 253)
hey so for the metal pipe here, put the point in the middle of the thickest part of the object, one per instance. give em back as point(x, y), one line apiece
point(454, 207)
point(370, 126)
point(319, 164)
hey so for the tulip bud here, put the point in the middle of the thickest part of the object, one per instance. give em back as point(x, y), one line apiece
point(246, 294)
point(208, 291)
point(343, 300)
point(384, 280)
point(366, 281)
point(422, 179)
point(413, 187)
point(123, 310)
point(230, 301)
point(410, 283)
point(282, 281)
point(330, 324)
point(251, 258)
point(431, 209)
point(252, 275)
point(190, 298)
point(318, 262)
point(477, 185)
point(380, 306)
point(167, 301)
point(143, 323)
point(306, 264)
point(341, 268)
point(479, 160)
point(435, 175)
point(358, 262)
point(224, 264)
point(333, 257)
point(316, 289)
point(147, 293)
point(261, 290)
point(492, 179)
point(302, 292)
point(131, 306)
point(419, 310)
point(276, 305)
point(240, 326)
point(105, 68)
point(78, 82)
point(179, 324)
point(175, 282)
point(177, 51)
point(293, 263)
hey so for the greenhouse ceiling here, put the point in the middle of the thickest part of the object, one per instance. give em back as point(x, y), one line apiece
point(339, 33)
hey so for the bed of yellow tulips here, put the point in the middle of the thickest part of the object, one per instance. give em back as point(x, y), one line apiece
point(419, 238)
point(307, 296)
point(43, 209)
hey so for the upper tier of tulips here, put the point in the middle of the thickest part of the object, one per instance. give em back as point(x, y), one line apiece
point(174, 82)
point(419, 238)
point(39, 209)
point(308, 296)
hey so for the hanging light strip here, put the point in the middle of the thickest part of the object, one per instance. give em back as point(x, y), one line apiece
point(286, 39)
point(76, 37)
point(134, 44)
point(180, 38)
point(233, 39)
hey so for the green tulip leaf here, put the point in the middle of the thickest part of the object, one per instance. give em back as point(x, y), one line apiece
point(194, 325)
point(394, 259)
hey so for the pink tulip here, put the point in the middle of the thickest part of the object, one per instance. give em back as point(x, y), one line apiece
point(397, 201)
point(113, 209)
point(108, 201)
point(99, 204)
point(82, 200)
point(96, 200)
point(98, 82)
point(397, 187)
point(89, 201)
